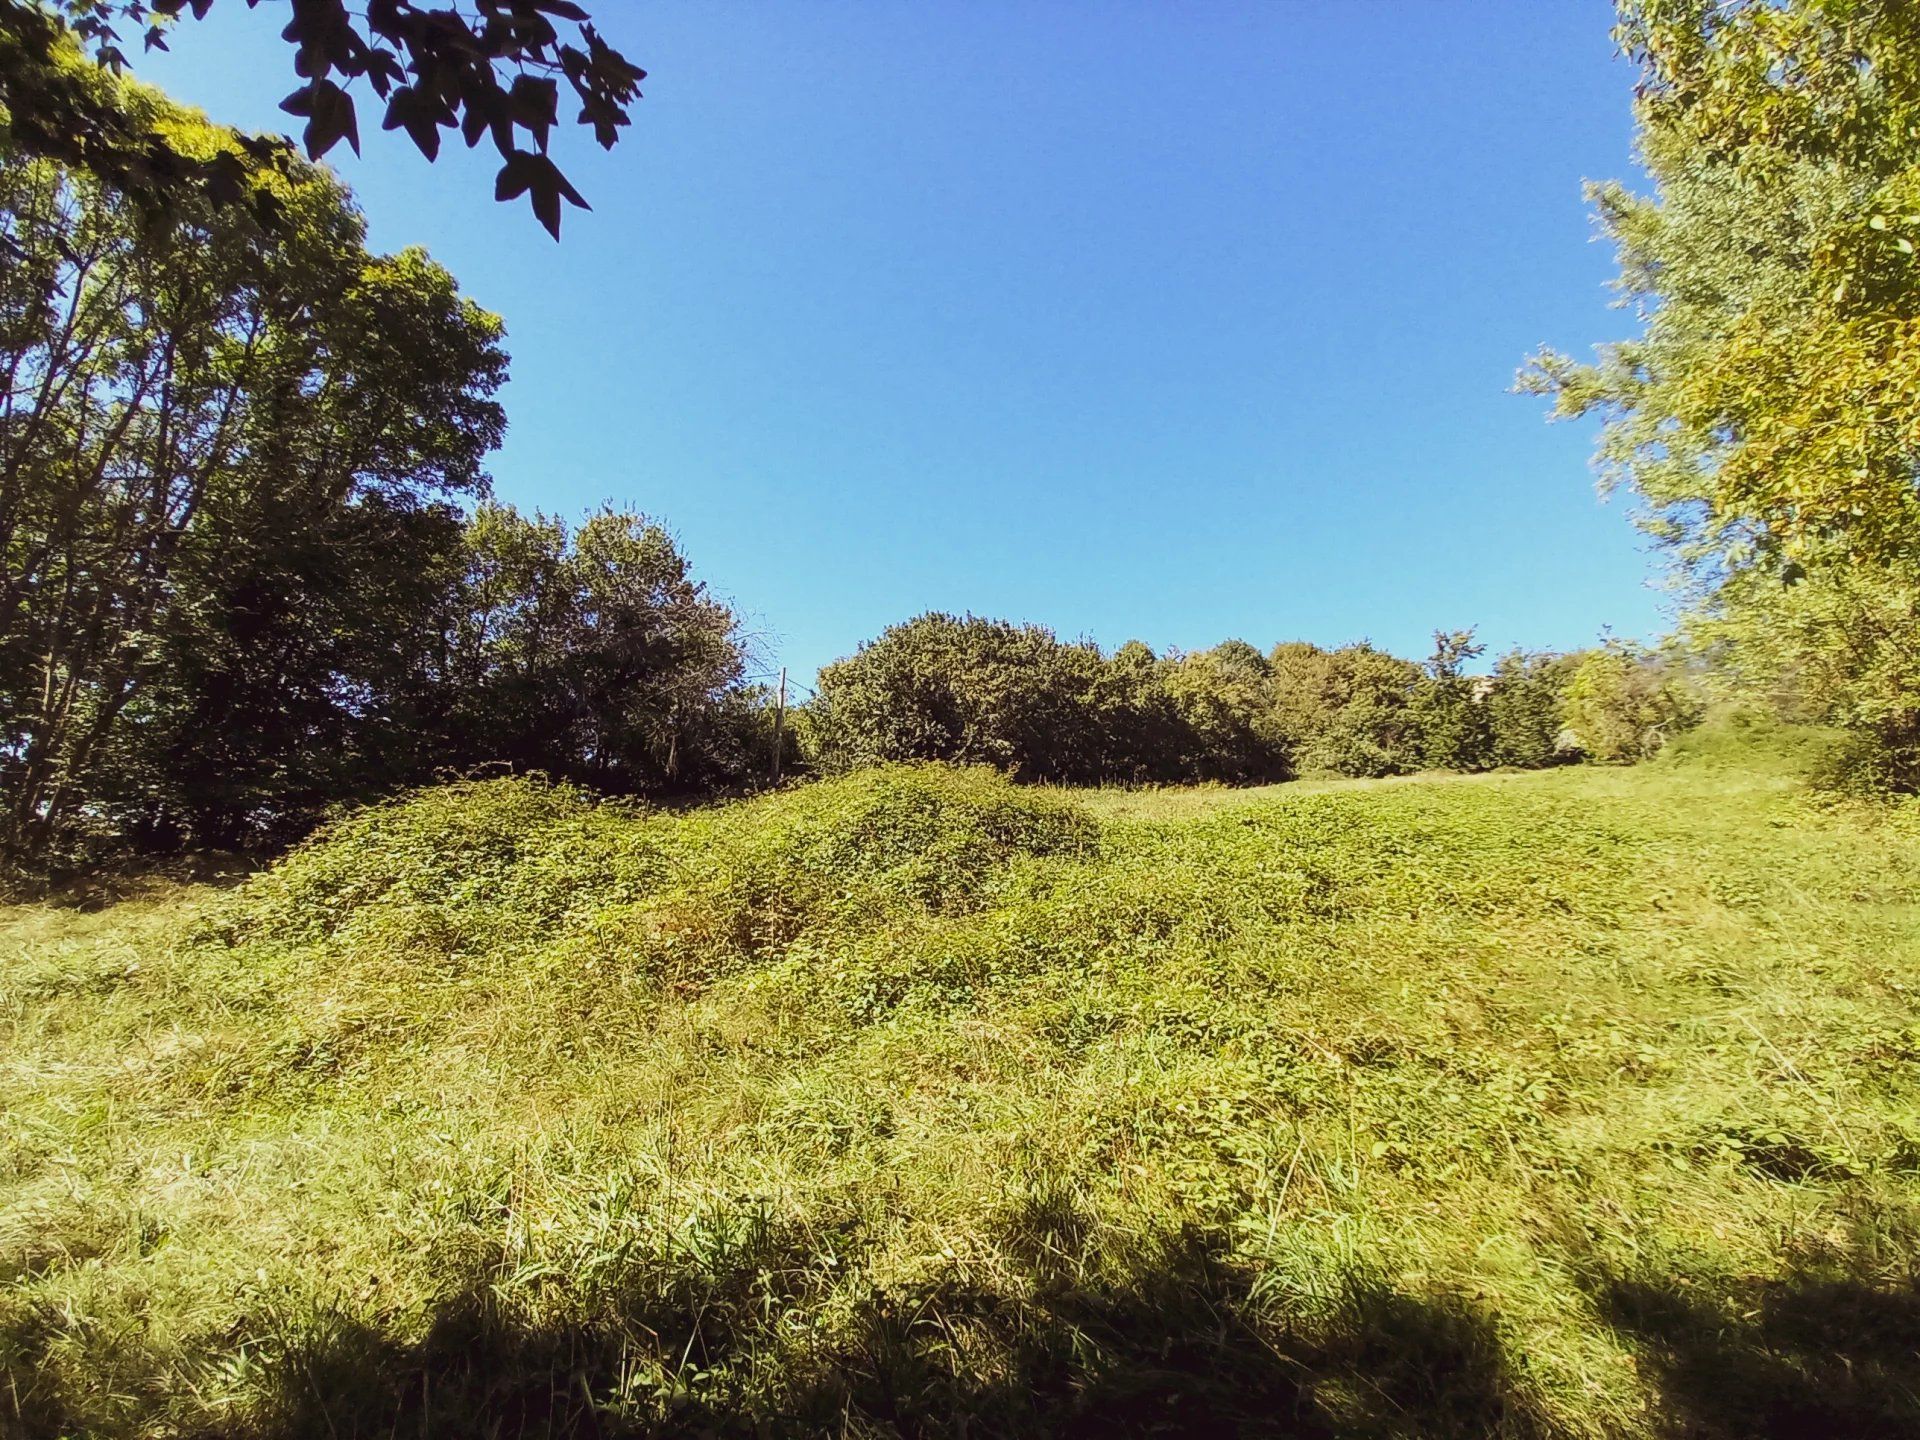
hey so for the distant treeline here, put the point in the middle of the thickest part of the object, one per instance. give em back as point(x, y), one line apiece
point(972, 690)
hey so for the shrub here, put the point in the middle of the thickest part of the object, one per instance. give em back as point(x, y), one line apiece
point(445, 845)
point(1224, 702)
point(1372, 729)
point(1837, 645)
point(531, 855)
point(987, 692)
point(1524, 703)
point(973, 691)
point(966, 690)
point(1455, 728)
point(1623, 703)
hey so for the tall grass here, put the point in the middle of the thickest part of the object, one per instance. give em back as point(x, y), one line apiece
point(1568, 1104)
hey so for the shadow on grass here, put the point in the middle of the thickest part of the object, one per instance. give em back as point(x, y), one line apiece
point(139, 878)
point(1803, 1358)
point(1173, 1349)
point(1177, 1347)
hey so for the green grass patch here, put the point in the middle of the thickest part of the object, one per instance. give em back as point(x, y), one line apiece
point(1576, 1103)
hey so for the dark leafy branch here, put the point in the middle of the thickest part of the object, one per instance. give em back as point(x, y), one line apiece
point(496, 71)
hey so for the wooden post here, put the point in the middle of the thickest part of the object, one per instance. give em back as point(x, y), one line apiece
point(779, 724)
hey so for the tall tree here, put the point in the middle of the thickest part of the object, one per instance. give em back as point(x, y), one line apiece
point(1768, 414)
point(590, 653)
point(224, 449)
point(1770, 407)
point(1456, 731)
point(1524, 708)
point(1224, 698)
point(1370, 726)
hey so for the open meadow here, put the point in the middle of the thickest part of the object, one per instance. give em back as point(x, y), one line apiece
point(972, 770)
point(1572, 1103)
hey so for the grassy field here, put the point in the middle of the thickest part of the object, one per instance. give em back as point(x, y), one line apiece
point(1574, 1103)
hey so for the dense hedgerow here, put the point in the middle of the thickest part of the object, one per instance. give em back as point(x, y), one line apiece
point(920, 1102)
point(975, 691)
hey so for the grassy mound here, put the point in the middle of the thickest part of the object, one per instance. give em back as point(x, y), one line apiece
point(493, 868)
point(1580, 1103)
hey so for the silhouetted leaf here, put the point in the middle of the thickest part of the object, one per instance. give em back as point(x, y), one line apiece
point(494, 74)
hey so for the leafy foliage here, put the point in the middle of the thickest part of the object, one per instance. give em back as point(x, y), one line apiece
point(1525, 705)
point(1767, 410)
point(589, 653)
point(1840, 646)
point(231, 453)
point(1622, 703)
point(1456, 728)
point(497, 74)
point(1223, 701)
point(1769, 413)
point(981, 691)
point(968, 690)
point(237, 580)
point(1371, 728)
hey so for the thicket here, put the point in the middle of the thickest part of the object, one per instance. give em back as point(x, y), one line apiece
point(977, 691)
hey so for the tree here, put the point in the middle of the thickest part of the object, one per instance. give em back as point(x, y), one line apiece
point(1456, 731)
point(1622, 703)
point(969, 690)
point(296, 687)
point(1371, 727)
point(987, 692)
point(590, 653)
point(1524, 708)
point(976, 691)
point(1768, 414)
point(1768, 410)
point(1224, 699)
point(1144, 737)
point(1305, 685)
point(1840, 646)
point(496, 74)
point(227, 453)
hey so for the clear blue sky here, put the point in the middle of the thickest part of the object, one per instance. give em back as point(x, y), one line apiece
point(1134, 320)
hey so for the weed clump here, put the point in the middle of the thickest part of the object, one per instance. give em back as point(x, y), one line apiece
point(449, 845)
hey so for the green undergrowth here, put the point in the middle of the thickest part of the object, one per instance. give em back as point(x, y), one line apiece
point(1574, 1103)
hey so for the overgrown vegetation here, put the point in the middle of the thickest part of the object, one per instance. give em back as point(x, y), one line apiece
point(1576, 1103)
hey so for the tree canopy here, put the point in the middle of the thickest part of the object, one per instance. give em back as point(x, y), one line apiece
point(1768, 413)
point(222, 451)
point(248, 564)
point(1770, 408)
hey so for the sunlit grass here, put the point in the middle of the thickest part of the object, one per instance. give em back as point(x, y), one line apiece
point(1580, 1102)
